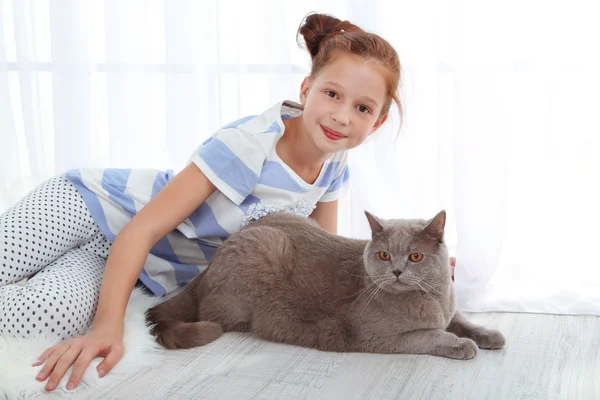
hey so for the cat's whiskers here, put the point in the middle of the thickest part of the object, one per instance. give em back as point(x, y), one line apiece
point(435, 299)
point(370, 299)
point(362, 292)
point(427, 293)
point(366, 276)
point(359, 293)
point(425, 290)
point(415, 281)
point(431, 287)
point(379, 289)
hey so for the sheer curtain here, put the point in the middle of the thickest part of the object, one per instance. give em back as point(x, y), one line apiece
point(136, 83)
point(499, 128)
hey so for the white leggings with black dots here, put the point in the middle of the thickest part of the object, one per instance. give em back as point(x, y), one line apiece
point(50, 237)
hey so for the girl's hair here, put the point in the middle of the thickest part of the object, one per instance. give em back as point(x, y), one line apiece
point(324, 35)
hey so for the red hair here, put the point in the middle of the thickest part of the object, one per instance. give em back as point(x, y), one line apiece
point(324, 35)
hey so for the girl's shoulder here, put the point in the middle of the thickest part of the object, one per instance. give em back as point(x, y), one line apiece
point(234, 156)
point(260, 131)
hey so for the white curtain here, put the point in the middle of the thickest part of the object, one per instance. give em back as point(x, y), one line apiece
point(136, 83)
point(499, 127)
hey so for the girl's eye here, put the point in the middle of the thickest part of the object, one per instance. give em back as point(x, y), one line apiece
point(415, 257)
point(383, 256)
point(363, 109)
point(331, 94)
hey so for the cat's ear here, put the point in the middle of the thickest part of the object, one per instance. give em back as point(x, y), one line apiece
point(435, 228)
point(376, 226)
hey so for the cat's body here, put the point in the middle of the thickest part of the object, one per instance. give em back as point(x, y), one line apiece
point(287, 280)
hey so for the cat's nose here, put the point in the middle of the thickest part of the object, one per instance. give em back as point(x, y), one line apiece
point(397, 272)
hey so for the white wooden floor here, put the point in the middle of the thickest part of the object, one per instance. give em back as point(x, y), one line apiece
point(547, 357)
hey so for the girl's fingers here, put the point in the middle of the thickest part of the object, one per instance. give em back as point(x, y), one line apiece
point(51, 362)
point(109, 362)
point(63, 364)
point(84, 359)
point(40, 360)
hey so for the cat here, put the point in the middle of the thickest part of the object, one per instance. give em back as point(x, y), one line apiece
point(287, 280)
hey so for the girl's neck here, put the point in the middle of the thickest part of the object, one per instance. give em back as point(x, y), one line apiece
point(299, 152)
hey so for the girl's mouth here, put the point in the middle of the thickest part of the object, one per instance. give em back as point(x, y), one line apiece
point(331, 134)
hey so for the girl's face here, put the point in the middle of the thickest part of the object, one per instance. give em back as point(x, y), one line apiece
point(342, 103)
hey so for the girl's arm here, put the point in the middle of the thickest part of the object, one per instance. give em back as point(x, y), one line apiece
point(173, 204)
point(326, 215)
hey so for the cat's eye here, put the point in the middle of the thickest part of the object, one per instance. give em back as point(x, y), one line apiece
point(383, 256)
point(415, 257)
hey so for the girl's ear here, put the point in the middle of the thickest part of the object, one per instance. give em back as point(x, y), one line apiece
point(304, 90)
point(378, 123)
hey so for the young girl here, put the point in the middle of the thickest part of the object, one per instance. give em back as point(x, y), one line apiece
point(89, 235)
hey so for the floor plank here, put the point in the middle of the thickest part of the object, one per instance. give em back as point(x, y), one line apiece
point(547, 357)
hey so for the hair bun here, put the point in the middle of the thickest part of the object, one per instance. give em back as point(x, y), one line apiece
point(317, 27)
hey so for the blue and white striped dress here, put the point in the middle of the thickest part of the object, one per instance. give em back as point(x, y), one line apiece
point(251, 180)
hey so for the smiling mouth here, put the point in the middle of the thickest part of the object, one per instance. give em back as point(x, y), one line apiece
point(331, 134)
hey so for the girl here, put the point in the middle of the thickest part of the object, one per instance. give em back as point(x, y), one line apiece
point(89, 235)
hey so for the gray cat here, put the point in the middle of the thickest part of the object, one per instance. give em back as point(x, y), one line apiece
point(287, 280)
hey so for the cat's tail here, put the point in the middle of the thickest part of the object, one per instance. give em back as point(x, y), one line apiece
point(175, 322)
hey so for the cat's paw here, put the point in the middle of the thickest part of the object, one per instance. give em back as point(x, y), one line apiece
point(462, 349)
point(489, 339)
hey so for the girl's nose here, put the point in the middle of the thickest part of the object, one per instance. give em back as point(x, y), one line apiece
point(341, 117)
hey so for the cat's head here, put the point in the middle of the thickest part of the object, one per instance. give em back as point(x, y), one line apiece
point(407, 254)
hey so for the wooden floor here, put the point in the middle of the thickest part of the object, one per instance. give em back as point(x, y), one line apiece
point(547, 357)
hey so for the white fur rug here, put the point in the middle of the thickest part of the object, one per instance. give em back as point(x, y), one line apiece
point(17, 376)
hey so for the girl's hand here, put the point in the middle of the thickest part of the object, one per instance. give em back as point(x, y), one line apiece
point(79, 352)
point(452, 265)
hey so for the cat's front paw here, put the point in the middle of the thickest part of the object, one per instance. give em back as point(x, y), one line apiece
point(462, 349)
point(489, 339)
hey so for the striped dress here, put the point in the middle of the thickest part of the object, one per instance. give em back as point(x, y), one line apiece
point(251, 180)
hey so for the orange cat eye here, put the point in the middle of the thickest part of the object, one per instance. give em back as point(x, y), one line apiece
point(415, 257)
point(383, 256)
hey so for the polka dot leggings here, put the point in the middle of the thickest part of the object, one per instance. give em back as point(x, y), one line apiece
point(50, 237)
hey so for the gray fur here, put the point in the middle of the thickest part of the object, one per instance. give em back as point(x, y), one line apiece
point(287, 280)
